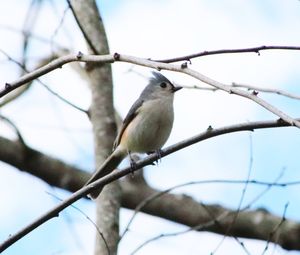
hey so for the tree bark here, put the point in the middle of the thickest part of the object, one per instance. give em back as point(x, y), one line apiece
point(103, 121)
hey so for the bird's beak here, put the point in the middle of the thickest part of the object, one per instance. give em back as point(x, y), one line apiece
point(176, 89)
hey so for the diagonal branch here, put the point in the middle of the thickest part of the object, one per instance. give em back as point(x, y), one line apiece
point(169, 209)
point(24, 70)
point(55, 64)
point(148, 63)
point(207, 80)
point(85, 35)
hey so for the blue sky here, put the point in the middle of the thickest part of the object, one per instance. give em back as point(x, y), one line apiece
point(159, 29)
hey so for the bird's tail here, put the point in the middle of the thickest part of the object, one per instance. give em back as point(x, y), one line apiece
point(107, 167)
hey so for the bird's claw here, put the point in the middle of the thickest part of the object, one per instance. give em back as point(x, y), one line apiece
point(159, 154)
point(132, 165)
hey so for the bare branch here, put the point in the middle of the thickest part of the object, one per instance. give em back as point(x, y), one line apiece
point(15, 128)
point(228, 230)
point(62, 98)
point(59, 26)
point(236, 85)
point(226, 51)
point(145, 203)
point(198, 87)
point(21, 90)
point(148, 63)
point(33, 36)
point(90, 220)
point(85, 35)
point(268, 90)
point(211, 222)
point(275, 231)
point(55, 64)
point(207, 80)
point(42, 166)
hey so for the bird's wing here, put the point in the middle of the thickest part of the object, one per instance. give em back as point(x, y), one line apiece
point(129, 117)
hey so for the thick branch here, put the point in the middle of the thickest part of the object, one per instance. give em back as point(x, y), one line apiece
point(168, 212)
point(258, 224)
point(53, 171)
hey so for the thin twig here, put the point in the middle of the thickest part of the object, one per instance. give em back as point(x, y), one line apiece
point(248, 87)
point(226, 231)
point(89, 219)
point(29, 23)
point(14, 126)
point(85, 35)
point(252, 96)
point(23, 67)
point(271, 237)
point(267, 90)
point(215, 220)
point(197, 87)
point(21, 90)
point(200, 227)
point(275, 183)
point(226, 51)
point(32, 35)
point(241, 198)
point(58, 28)
point(62, 98)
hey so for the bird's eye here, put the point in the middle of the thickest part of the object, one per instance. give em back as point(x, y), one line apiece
point(163, 85)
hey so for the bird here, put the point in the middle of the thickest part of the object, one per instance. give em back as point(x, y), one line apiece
point(146, 127)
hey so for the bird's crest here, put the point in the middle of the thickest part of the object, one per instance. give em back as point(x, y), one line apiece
point(158, 78)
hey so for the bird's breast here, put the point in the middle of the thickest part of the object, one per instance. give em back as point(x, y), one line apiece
point(150, 129)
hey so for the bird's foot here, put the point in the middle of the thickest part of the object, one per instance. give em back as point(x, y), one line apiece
point(159, 154)
point(132, 164)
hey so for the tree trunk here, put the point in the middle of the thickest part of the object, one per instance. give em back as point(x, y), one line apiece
point(103, 121)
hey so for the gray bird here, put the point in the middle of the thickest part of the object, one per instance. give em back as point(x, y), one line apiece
point(146, 127)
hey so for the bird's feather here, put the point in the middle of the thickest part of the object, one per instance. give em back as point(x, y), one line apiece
point(129, 117)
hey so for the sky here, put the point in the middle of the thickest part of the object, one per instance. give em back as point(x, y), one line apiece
point(158, 29)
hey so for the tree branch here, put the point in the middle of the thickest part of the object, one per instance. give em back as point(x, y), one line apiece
point(53, 171)
point(152, 64)
point(21, 90)
point(288, 239)
point(254, 89)
point(207, 80)
point(258, 224)
point(55, 64)
point(226, 51)
point(85, 35)
point(267, 90)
